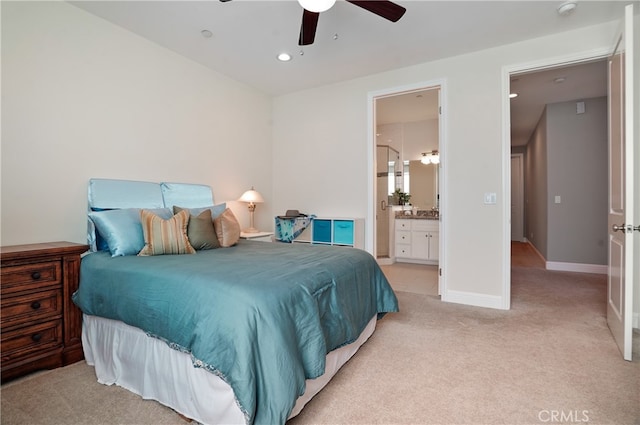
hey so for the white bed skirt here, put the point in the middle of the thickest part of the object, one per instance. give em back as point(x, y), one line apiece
point(126, 356)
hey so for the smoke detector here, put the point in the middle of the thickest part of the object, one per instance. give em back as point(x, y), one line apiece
point(567, 8)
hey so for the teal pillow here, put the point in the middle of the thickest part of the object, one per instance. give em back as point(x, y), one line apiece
point(122, 229)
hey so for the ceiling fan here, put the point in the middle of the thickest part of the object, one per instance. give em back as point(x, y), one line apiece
point(312, 8)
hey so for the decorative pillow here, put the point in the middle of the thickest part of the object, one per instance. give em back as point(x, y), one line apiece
point(165, 236)
point(227, 228)
point(200, 230)
point(216, 210)
point(121, 229)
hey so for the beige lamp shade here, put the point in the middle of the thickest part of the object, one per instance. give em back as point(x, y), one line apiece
point(252, 197)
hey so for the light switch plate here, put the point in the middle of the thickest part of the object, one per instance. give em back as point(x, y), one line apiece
point(490, 198)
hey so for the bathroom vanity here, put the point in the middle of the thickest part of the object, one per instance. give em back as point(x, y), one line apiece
point(417, 237)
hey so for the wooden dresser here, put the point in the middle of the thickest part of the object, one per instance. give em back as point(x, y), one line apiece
point(41, 327)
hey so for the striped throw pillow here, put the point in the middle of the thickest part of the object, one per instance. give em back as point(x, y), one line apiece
point(165, 236)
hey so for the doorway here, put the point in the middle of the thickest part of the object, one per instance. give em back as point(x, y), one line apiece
point(406, 124)
point(540, 195)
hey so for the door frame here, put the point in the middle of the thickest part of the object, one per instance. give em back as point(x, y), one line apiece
point(370, 228)
point(507, 72)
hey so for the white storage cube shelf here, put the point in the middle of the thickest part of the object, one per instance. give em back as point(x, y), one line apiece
point(334, 231)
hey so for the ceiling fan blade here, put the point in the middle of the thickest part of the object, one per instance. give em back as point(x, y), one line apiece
point(308, 27)
point(386, 9)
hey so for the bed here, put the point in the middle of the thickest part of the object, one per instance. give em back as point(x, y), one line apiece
point(246, 332)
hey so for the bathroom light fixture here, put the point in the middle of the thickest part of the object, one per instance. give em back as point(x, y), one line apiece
point(252, 197)
point(317, 5)
point(432, 157)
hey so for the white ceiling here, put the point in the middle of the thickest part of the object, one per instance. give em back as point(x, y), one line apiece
point(247, 35)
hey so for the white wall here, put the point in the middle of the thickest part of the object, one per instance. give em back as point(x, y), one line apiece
point(320, 152)
point(83, 98)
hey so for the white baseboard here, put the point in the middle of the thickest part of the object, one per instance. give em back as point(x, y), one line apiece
point(475, 299)
point(577, 267)
point(537, 252)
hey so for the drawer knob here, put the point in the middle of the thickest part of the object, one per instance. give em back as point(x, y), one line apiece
point(35, 305)
point(36, 337)
point(35, 275)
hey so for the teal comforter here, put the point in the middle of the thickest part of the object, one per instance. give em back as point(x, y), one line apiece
point(260, 315)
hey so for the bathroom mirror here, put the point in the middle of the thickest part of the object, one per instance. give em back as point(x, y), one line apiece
point(408, 123)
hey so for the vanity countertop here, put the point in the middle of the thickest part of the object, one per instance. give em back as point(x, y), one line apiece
point(420, 215)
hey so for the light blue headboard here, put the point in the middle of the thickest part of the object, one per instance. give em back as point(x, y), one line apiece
point(117, 194)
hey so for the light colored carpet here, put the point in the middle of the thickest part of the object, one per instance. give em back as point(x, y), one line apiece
point(432, 363)
point(440, 363)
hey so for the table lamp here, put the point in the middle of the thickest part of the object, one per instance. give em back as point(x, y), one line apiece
point(252, 197)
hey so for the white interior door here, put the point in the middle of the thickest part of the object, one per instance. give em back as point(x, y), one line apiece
point(620, 284)
point(517, 189)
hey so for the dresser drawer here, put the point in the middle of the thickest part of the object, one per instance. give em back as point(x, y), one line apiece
point(30, 276)
point(27, 340)
point(31, 307)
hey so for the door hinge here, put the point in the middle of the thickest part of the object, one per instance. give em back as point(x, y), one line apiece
point(440, 271)
point(440, 110)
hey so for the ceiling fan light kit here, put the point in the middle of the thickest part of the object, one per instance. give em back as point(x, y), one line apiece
point(383, 8)
point(317, 6)
point(312, 8)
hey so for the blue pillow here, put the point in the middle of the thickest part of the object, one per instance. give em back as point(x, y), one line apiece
point(122, 229)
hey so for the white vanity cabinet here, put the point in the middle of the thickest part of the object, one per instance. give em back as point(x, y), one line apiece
point(417, 240)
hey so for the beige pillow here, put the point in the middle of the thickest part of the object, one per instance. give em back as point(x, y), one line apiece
point(165, 236)
point(227, 228)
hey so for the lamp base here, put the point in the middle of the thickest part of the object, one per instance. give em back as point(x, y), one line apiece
point(251, 230)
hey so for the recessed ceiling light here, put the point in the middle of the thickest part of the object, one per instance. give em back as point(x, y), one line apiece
point(206, 33)
point(284, 57)
point(513, 95)
point(559, 80)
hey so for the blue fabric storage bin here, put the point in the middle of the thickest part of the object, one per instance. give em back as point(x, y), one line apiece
point(321, 231)
point(343, 232)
